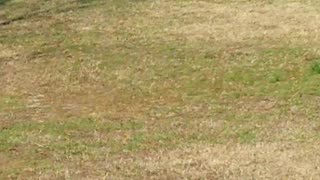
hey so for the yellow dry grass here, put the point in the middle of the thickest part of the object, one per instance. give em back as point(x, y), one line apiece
point(234, 161)
point(238, 22)
point(171, 90)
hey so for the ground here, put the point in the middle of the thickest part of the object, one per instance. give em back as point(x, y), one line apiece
point(159, 89)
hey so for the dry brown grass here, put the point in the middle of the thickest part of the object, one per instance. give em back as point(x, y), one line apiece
point(161, 90)
point(238, 22)
point(234, 161)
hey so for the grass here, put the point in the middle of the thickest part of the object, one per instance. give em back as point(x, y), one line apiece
point(159, 89)
point(315, 67)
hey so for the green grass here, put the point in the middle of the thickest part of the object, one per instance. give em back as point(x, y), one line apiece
point(73, 130)
point(315, 67)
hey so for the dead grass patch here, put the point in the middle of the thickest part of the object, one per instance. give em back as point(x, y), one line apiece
point(262, 161)
point(238, 22)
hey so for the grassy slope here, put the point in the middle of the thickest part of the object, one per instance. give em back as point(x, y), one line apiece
point(163, 89)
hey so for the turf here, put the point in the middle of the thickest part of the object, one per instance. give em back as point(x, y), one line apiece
point(168, 89)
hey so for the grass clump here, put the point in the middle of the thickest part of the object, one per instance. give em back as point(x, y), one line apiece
point(315, 67)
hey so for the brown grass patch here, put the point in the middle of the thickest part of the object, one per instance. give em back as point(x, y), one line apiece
point(239, 22)
point(261, 161)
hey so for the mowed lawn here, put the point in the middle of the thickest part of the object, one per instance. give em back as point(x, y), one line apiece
point(160, 89)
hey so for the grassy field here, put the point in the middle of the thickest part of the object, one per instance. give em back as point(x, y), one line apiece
point(160, 89)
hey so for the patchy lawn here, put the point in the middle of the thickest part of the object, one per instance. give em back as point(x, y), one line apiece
point(170, 89)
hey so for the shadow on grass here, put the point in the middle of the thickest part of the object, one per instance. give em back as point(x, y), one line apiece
point(78, 4)
point(3, 2)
